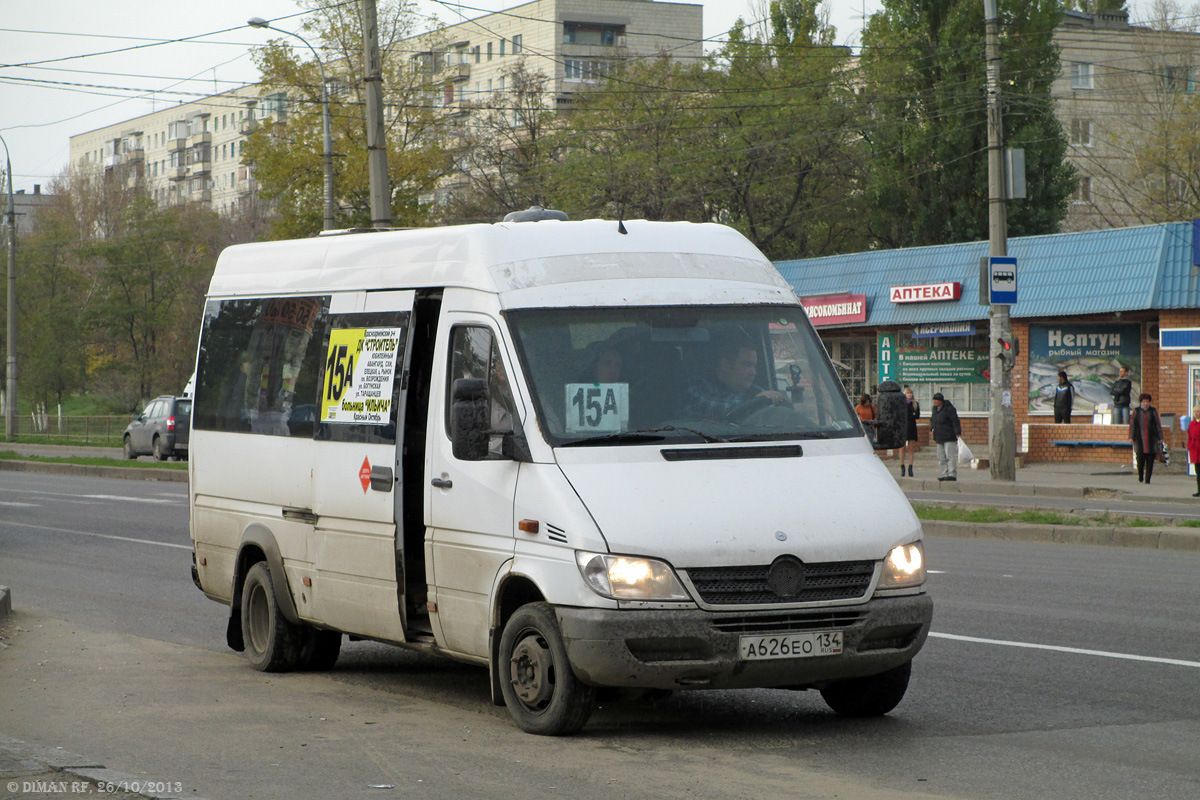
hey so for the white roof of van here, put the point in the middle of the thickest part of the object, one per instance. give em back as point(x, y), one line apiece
point(503, 258)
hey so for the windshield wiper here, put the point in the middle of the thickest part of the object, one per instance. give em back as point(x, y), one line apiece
point(644, 435)
point(778, 436)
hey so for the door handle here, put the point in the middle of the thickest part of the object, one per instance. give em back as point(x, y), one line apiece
point(381, 479)
point(442, 483)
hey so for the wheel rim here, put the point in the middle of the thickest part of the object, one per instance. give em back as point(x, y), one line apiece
point(259, 618)
point(531, 670)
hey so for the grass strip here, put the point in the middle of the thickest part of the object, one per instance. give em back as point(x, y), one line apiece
point(87, 461)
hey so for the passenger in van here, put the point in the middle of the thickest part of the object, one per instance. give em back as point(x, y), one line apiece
point(729, 386)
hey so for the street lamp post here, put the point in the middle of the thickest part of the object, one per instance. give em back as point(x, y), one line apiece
point(259, 22)
point(10, 403)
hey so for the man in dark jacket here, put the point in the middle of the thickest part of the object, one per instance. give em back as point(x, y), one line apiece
point(1064, 399)
point(946, 430)
point(1121, 390)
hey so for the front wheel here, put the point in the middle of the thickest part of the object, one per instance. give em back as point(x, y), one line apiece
point(541, 692)
point(272, 643)
point(127, 446)
point(872, 696)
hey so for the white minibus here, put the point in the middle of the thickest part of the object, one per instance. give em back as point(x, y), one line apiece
point(580, 454)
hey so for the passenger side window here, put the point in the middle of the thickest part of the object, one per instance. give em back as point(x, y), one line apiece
point(258, 366)
point(474, 354)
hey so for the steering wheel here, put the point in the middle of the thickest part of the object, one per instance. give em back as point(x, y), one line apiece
point(747, 408)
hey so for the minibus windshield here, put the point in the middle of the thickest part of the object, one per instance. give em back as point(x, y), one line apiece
point(644, 374)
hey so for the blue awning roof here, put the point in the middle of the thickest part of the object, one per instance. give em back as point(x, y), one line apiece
point(1091, 272)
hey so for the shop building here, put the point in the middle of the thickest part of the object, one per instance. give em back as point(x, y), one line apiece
point(1088, 304)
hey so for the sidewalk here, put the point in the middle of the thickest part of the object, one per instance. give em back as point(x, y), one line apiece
point(1057, 479)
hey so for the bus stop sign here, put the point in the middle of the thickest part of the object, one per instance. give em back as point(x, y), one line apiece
point(1002, 280)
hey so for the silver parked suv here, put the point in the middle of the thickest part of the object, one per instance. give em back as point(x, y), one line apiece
point(161, 429)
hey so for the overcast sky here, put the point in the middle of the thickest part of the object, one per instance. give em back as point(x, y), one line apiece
point(72, 92)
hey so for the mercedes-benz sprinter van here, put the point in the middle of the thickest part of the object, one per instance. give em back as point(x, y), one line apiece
point(579, 454)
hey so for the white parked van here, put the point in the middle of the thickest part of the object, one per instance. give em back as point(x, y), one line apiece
point(580, 454)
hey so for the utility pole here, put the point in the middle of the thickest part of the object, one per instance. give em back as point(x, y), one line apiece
point(1002, 438)
point(380, 192)
point(10, 403)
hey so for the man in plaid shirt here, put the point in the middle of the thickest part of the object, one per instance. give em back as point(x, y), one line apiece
point(730, 385)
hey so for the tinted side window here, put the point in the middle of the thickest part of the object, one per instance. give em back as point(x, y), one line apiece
point(258, 366)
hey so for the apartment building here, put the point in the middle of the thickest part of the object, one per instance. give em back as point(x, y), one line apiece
point(573, 43)
point(192, 152)
point(1119, 97)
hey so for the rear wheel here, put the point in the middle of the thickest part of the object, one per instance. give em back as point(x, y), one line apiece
point(272, 643)
point(127, 446)
point(319, 649)
point(541, 692)
point(873, 696)
point(159, 455)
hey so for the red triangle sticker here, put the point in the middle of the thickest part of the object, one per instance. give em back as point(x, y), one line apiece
point(364, 474)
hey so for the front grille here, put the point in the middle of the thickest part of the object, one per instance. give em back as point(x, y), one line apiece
point(786, 623)
point(732, 586)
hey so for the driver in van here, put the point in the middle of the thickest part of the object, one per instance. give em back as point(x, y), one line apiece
point(729, 385)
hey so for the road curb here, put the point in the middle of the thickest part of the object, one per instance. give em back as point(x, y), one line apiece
point(1028, 490)
point(59, 760)
point(93, 471)
point(1143, 538)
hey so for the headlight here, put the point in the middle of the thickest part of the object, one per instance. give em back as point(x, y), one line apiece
point(903, 567)
point(630, 578)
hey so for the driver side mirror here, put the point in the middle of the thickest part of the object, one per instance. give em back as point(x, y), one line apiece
point(891, 417)
point(470, 420)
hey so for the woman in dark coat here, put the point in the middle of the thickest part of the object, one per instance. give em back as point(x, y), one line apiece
point(1145, 431)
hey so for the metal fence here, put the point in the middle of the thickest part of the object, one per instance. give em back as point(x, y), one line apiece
point(93, 429)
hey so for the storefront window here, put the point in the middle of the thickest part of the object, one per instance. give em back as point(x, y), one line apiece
point(956, 366)
point(852, 358)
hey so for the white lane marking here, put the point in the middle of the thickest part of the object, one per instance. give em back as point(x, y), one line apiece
point(936, 571)
point(97, 535)
point(20, 505)
point(125, 497)
point(1074, 650)
point(180, 497)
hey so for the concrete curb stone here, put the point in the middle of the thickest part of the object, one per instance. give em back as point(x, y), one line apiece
point(1142, 538)
point(89, 470)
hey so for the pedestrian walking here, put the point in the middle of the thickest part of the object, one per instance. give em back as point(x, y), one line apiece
point(913, 409)
point(946, 428)
point(1120, 392)
point(1064, 399)
point(1145, 431)
point(1193, 446)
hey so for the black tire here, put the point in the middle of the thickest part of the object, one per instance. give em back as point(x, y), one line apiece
point(272, 643)
point(127, 446)
point(873, 696)
point(159, 455)
point(319, 649)
point(541, 692)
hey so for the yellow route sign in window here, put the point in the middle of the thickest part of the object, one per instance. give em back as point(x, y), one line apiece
point(360, 369)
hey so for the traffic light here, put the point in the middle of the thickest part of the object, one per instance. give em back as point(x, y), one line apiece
point(1009, 347)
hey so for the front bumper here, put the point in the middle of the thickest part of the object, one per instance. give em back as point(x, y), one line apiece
point(692, 648)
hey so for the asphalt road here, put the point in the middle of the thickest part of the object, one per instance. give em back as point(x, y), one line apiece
point(1054, 671)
